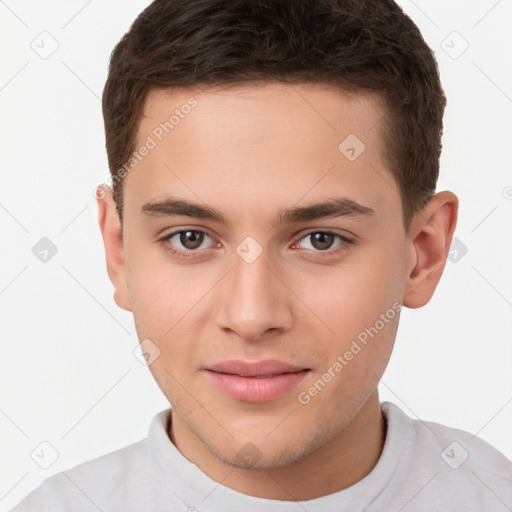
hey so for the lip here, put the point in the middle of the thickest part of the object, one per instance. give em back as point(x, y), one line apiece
point(259, 381)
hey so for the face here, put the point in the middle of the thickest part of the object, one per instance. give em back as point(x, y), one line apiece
point(271, 320)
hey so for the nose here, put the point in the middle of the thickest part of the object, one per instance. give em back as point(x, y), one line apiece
point(253, 299)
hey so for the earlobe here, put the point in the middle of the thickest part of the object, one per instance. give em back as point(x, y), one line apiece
point(429, 240)
point(110, 226)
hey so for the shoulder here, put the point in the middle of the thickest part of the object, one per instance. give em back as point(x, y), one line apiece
point(115, 481)
point(453, 466)
point(84, 486)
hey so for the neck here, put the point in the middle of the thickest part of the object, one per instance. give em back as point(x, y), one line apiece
point(341, 462)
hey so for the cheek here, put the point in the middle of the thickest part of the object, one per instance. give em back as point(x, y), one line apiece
point(357, 305)
point(161, 293)
point(355, 364)
point(351, 296)
point(165, 301)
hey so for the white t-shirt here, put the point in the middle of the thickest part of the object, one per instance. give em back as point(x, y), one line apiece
point(424, 467)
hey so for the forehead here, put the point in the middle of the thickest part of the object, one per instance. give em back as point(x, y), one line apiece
point(322, 105)
point(262, 144)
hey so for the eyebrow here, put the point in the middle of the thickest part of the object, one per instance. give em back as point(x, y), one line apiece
point(337, 207)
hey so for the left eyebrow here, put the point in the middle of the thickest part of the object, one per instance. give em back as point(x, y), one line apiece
point(338, 207)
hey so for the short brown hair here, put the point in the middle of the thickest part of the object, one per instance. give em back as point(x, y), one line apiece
point(358, 45)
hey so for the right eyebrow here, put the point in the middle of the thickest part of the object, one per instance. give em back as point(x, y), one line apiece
point(172, 206)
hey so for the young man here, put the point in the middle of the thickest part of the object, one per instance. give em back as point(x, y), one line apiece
point(274, 166)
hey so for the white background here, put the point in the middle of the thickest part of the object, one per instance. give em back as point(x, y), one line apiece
point(68, 373)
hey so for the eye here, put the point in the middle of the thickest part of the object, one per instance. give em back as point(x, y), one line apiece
point(322, 241)
point(185, 241)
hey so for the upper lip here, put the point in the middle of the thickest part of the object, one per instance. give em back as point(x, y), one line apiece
point(265, 368)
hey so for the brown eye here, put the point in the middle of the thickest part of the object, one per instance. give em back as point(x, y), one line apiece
point(324, 241)
point(191, 239)
point(321, 241)
point(186, 242)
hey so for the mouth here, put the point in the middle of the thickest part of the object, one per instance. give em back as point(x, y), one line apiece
point(260, 381)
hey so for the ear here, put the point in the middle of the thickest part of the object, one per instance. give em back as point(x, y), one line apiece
point(429, 239)
point(111, 232)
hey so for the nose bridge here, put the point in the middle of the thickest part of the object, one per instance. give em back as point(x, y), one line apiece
point(253, 300)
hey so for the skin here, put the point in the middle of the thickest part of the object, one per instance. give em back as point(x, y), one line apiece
point(249, 152)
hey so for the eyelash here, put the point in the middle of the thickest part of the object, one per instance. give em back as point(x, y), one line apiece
point(345, 242)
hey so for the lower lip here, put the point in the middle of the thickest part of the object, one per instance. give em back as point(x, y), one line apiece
point(256, 389)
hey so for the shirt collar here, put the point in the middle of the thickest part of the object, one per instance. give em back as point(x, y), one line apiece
point(197, 490)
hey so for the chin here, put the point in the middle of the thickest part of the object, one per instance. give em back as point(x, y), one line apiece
point(250, 457)
point(265, 454)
